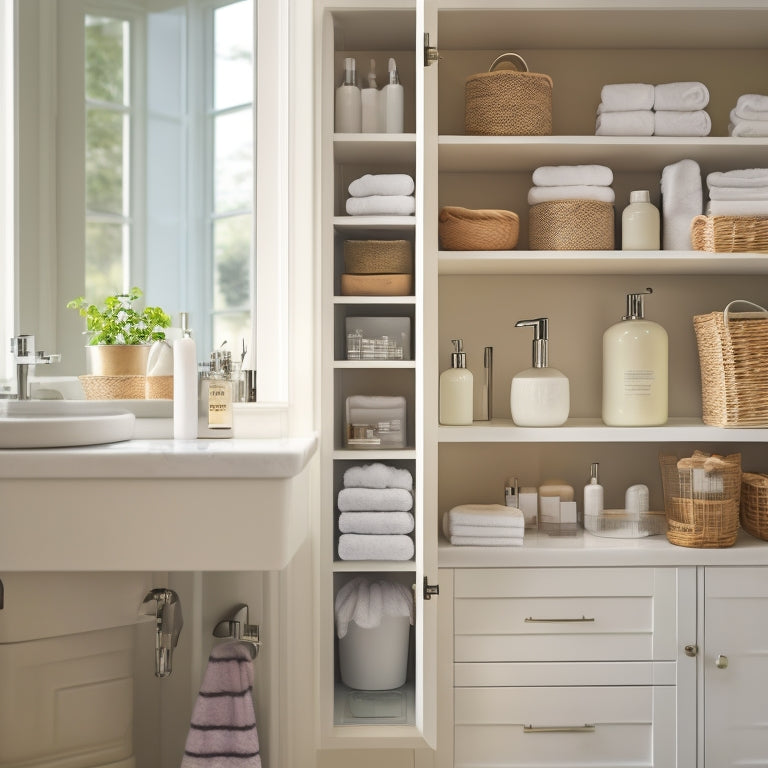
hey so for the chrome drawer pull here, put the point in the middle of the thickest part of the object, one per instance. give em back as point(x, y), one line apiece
point(531, 619)
point(587, 728)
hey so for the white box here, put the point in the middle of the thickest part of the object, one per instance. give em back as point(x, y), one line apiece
point(528, 501)
point(567, 511)
point(549, 509)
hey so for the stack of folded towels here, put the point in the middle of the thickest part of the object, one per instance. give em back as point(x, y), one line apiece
point(484, 525)
point(375, 517)
point(750, 116)
point(738, 193)
point(571, 182)
point(641, 109)
point(382, 194)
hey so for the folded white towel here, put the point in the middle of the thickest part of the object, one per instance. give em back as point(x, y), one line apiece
point(751, 106)
point(360, 546)
point(367, 602)
point(630, 123)
point(625, 97)
point(570, 175)
point(381, 205)
point(476, 541)
point(375, 500)
point(687, 96)
point(571, 192)
point(486, 514)
point(748, 129)
point(382, 184)
point(738, 193)
point(682, 200)
point(376, 522)
point(378, 475)
point(737, 208)
point(671, 123)
point(482, 531)
point(741, 177)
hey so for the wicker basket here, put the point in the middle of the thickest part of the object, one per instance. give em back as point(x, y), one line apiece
point(159, 388)
point(753, 510)
point(375, 257)
point(377, 285)
point(114, 387)
point(463, 229)
point(733, 358)
point(730, 234)
point(571, 225)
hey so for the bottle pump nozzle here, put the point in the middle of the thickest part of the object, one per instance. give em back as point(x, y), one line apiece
point(635, 305)
point(540, 327)
point(394, 77)
point(350, 73)
point(458, 356)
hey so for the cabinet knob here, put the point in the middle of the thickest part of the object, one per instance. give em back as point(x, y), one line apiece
point(691, 650)
point(721, 662)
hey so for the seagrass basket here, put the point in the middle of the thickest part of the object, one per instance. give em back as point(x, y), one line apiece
point(464, 229)
point(159, 388)
point(114, 387)
point(753, 510)
point(375, 257)
point(571, 225)
point(730, 234)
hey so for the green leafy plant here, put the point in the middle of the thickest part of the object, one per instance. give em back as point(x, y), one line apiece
point(117, 322)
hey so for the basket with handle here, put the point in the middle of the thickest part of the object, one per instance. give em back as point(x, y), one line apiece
point(730, 234)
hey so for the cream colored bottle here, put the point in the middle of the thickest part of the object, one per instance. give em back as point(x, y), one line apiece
point(640, 223)
point(635, 369)
point(457, 389)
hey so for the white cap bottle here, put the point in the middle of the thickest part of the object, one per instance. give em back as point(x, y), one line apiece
point(392, 97)
point(457, 389)
point(369, 98)
point(640, 223)
point(348, 103)
point(593, 493)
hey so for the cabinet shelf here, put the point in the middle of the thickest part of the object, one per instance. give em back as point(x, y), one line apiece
point(374, 300)
point(374, 364)
point(373, 566)
point(366, 457)
point(361, 226)
point(374, 147)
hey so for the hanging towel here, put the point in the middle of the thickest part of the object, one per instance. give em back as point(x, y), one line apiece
point(679, 97)
point(222, 733)
point(743, 177)
point(571, 175)
point(625, 97)
point(360, 546)
point(382, 184)
point(634, 123)
point(486, 514)
point(571, 192)
point(738, 193)
point(476, 541)
point(751, 106)
point(375, 500)
point(737, 208)
point(376, 522)
point(670, 123)
point(682, 200)
point(755, 129)
point(378, 475)
point(381, 205)
point(367, 602)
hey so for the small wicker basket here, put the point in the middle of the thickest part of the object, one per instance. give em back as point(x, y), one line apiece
point(753, 511)
point(464, 229)
point(730, 234)
point(114, 387)
point(159, 388)
point(571, 225)
point(375, 257)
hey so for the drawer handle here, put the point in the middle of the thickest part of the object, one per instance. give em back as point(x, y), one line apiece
point(532, 620)
point(586, 728)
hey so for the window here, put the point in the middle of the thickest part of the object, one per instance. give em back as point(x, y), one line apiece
point(7, 193)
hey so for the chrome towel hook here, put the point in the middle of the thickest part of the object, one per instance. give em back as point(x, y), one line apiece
point(236, 627)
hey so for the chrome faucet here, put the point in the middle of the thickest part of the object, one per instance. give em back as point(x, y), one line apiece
point(24, 355)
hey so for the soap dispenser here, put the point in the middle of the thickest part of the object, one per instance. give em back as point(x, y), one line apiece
point(349, 117)
point(540, 396)
point(635, 369)
point(456, 389)
point(593, 493)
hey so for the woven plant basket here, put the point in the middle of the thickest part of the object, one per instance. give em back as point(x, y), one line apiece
point(753, 510)
point(730, 234)
point(571, 225)
point(114, 387)
point(377, 285)
point(463, 229)
point(375, 257)
point(159, 388)
point(733, 359)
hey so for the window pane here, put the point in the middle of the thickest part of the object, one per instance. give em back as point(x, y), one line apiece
point(233, 183)
point(104, 245)
point(234, 328)
point(104, 161)
point(105, 44)
point(231, 262)
point(233, 55)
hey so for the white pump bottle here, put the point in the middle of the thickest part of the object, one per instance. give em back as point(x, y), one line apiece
point(348, 103)
point(457, 389)
point(392, 101)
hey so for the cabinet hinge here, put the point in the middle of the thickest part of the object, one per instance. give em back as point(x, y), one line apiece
point(430, 53)
point(430, 589)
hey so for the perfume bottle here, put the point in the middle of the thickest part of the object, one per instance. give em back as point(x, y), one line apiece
point(216, 396)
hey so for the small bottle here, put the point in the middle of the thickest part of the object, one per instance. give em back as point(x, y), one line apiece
point(593, 493)
point(220, 391)
point(369, 99)
point(456, 389)
point(184, 384)
point(348, 106)
point(392, 96)
point(640, 223)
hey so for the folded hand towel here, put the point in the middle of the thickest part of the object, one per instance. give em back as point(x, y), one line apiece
point(625, 97)
point(359, 546)
point(687, 96)
point(751, 106)
point(451, 528)
point(375, 500)
point(737, 208)
point(376, 522)
point(367, 602)
point(378, 475)
point(223, 719)
point(634, 123)
point(381, 205)
point(670, 123)
point(382, 184)
point(475, 541)
point(486, 514)
point(682, 200)
point(742, 177)
point(748, 129)
point(570, 175)
point(571, 192)
point(738, 193)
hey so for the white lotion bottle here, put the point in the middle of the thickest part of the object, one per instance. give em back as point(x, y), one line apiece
point(369, 99)
point(348, 104)
point(635, 369)
point(593, 493)
point(393, 101)
point(640, 223)
point(540, 396)
point(457, 389)
point(185, 384)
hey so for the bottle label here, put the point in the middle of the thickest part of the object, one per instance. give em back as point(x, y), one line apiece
point(639, 382)
point(219, 404)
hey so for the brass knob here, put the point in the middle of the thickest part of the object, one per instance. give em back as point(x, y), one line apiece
point(721, 662)
point(691, 650)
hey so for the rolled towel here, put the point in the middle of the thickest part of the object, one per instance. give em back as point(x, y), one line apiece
point(738, 193)
point(481, 531)
point(631, 123)
point(751, 106)
point(486, 514)
point(670, 123)
point(360, 546)
point(686, 96)
point(381, 205)
point(571, 175)
point(626, 97)
point(376, 522)
point(571, 192)
point(378, 475)
point(737, 208)
point(682, 200)
point(741, 177)
point(375, 500)
point(749, 129)
point(367, 602)
point(497, 541)
point(382, 184)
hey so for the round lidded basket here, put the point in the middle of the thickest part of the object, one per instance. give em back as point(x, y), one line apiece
point(571, 225)
point(378, 257)
point(483, 229)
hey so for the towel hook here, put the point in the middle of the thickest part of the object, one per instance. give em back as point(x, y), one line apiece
point(236, 627)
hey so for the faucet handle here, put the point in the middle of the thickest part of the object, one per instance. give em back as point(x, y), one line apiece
point(23, 346)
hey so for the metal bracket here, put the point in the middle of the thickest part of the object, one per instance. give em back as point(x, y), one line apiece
point(431, 53)
point(430, 589)
point(237, 627)
point(165, 606)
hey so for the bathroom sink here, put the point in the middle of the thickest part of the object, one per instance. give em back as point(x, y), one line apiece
point(62, 423)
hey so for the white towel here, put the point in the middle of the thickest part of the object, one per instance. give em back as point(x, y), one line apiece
point(381, 205)
point(737, 208)
point(742, 177)
point(571, 192)
point(570, 175)
point(625, 97)
point(382, 184)
point(378, 475)
point(475, 541)
point(631, 123)
point(482, 531)
point(375, 500)
point(748, 129)
point(687, 96)
point(376, 522)
point(367, 602)
point(738, 193)
point(751, 106)
point(486, 514)
point(682, 200)
point(360, 546)
point(671, 123)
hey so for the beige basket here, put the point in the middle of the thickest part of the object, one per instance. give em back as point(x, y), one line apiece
point(377, 285)
point(463, 229)
point(159, 388)
point(571, 225)
point(374, 257)
point(733, 359)
point(730, 234)
point(114, 387)
point(753, 509)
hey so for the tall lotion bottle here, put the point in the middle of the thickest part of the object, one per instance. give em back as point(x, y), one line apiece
point(392, 101)
point(457, 389)
point(349, 116)
point(185, 384)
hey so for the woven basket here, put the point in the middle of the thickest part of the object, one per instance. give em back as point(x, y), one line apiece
point(114, 387)
point(733, 358)
point(463, 229)
point(753, 510)
point(730, 234)
point(159, 388)
point(571, 225)
point(377, 285)
point(375, 257)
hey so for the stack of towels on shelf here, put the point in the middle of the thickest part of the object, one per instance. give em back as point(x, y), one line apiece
point(376, 517)
point(382, 194)
point(738, 193)
point(571, 182)
point(682, 200)
point(484, 525)
point(750, 116)
point(642, 109)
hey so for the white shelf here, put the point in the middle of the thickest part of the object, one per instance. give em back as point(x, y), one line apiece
point(374, 364)
point(373, 566)
point(366, 457)
point(367, 223)
point(374, 300)
point(374, 147)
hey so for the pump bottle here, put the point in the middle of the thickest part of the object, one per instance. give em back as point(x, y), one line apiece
point(640, 223)
point(348, 103)
point(456, 389)
point(593, 493)
point(392, 101)
point(369, 99)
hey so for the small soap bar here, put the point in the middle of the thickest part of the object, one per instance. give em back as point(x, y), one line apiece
point(528, 503)
point(557, 488)
point(567, 511)
point(549, 509)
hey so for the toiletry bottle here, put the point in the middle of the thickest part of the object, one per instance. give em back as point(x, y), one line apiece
point(635, 369)
point(348, 107)
point(456, 389)
point(640, 223)
point(392, 96)
point(540, 396)
point(184, 384)
point(369, 99)
point(593, 493)
point(220, 391)
point(486, 390)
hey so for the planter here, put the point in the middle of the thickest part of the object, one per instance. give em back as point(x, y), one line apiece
point(117, 359)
